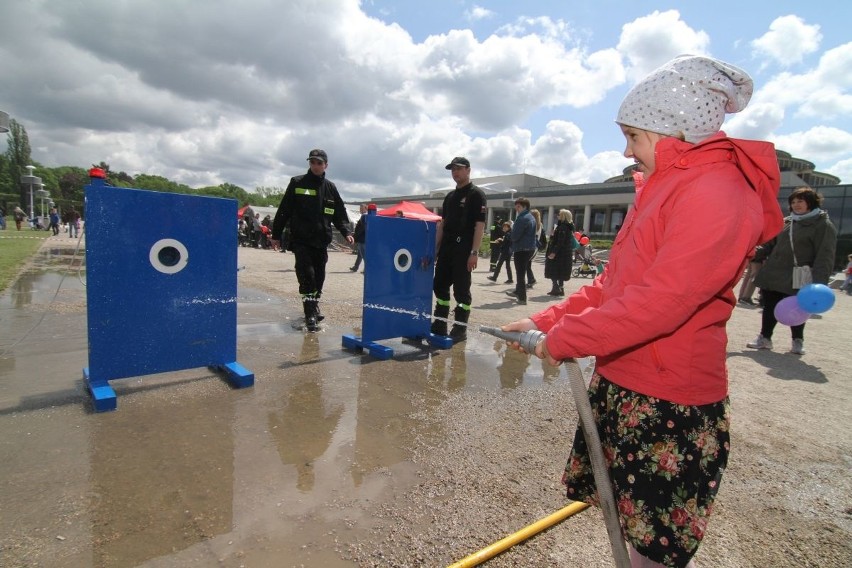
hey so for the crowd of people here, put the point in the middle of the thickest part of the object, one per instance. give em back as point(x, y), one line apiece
point(68, 223)
point(254, 232)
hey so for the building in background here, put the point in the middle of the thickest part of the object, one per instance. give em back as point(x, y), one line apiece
point(600, 208)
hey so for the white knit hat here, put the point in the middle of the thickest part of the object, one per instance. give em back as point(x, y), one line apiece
point(690, 94)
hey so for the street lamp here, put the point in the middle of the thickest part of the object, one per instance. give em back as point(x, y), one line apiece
point(512, 202)
point(42, 193)
point(4, 122)
point(31, 181)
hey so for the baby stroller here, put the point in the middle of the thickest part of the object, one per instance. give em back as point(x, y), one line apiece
point(587, 268)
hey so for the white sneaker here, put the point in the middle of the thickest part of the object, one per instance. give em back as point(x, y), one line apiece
point(760, 342)
point(798, 347)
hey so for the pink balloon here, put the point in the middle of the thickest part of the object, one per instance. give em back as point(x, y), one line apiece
point(788, 312)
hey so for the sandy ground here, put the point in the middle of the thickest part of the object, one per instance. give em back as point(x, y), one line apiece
point(786, 498)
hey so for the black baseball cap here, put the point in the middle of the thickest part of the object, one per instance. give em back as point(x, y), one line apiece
point(317, 154)
point(458, 161)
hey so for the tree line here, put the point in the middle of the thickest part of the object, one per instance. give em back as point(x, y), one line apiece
point(66, 183)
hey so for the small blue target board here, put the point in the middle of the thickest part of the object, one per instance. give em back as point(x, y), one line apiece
point(398, 274)
point(161, 271)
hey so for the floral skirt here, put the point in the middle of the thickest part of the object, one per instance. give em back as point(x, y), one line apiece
point(666, 462)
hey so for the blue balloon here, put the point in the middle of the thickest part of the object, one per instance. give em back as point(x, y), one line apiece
point(815, 298)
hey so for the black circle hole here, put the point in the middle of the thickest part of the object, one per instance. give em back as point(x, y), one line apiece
point(404, 260)
point(168, 256)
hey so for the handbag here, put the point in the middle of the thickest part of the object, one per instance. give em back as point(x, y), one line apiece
point(801, 274)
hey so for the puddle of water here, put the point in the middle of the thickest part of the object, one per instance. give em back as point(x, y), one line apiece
point(190, 472)
point(52, 269)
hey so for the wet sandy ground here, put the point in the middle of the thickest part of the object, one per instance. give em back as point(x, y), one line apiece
point(189, 471)
point(334, 458)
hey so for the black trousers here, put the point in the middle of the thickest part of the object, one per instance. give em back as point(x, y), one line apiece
point(451, 270)
point(507, 258)
point(495, 256)
point(310, 268)
point(768, 323)
point(522, 262)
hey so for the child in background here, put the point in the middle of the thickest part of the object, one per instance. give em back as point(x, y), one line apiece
point(505, 244)
point(655, 318)
point(847, 285)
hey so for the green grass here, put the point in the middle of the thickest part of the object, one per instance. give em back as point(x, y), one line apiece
point(14, 252)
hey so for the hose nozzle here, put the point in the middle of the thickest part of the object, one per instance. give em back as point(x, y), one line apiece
point(526, 339)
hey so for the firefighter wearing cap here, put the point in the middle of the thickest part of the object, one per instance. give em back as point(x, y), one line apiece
point(310, 206)
point(459, 236)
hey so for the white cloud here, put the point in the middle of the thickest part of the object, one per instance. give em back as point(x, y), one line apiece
point(820, 143)
point(478, 13)
point(649, 41)
point(820, 93)
point(843, 170)
point(558, 154)
point(757, 122)
point(788, 41)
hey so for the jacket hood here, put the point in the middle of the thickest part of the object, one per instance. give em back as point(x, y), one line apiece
point(755, 159)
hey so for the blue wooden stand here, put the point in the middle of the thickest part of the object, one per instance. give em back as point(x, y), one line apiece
point(398, 273)
point(161, 272)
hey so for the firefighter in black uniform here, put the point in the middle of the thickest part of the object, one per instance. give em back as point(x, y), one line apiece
point(309, 207)
point(459, 236)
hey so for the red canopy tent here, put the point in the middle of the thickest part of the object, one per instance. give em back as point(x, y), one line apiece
point(410, 210)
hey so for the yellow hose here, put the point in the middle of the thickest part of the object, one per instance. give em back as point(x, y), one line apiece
point(503, 544)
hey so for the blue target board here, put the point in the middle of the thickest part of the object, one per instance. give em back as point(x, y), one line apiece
point(161, 272)
point(398, 273)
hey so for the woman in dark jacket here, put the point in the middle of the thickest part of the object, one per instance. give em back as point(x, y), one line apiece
point(560, 253)
point(812, 243)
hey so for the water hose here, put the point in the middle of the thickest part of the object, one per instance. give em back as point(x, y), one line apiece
point(504, 544)
point(529, 340)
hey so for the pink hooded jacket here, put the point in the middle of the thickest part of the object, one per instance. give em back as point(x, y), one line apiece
point(655, 319)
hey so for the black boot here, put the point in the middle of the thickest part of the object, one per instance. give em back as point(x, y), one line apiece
point(459, 331)
point(309, 305)
point(554, 290)
point(439, 326)
point(317, 311)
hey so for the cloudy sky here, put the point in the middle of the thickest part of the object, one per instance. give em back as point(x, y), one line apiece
point(211, 91)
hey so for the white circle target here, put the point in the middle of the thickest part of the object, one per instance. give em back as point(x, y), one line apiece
point(168, 256)
point(402, 260)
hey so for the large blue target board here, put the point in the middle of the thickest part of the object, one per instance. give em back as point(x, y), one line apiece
point(161, 272)
point(398, 273)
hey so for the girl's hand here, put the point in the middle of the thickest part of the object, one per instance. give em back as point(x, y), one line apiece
point(525, 324)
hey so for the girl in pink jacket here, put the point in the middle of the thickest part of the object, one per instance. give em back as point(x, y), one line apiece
point(655, 318)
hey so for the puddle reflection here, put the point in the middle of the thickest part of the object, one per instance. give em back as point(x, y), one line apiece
point(51, 269)
point(304, 423)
